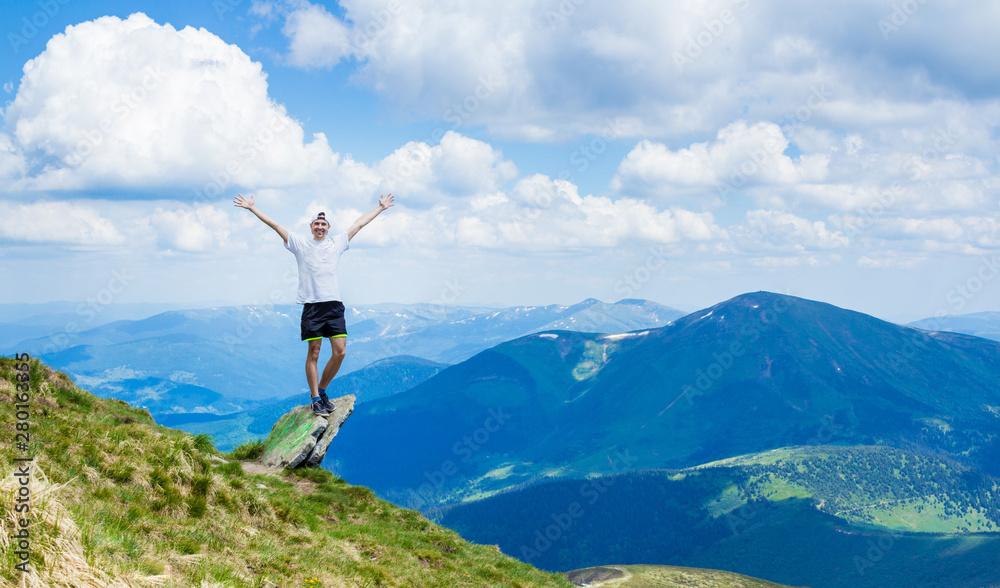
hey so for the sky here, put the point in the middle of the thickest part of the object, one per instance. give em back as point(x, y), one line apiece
point(539, 151)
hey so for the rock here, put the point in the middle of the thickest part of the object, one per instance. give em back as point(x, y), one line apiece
point(342, 408)
point(300, 438)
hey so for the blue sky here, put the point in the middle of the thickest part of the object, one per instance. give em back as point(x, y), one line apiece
point(541, 151)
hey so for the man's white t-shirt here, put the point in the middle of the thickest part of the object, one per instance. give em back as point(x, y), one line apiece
point(318, 263)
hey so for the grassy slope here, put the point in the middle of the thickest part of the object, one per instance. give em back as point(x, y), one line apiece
point(870, 485)
point(120, 501)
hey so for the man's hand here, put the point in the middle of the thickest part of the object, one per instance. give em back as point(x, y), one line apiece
point(384, 202)
point(247, 203)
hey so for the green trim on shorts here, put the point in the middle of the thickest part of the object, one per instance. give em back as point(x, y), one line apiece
point(313, 339)
point(335, 336)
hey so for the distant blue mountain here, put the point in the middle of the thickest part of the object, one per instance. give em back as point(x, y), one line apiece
point(980, 324)
point(32, 321)
point(247, 354)
point(86, 315)
point(161, 397)
point(12, 333)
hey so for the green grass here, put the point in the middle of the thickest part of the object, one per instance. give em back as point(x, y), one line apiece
point(141, 504)
point(248, 451)
point(875, 485)
point(225, 433)
point(872, 485)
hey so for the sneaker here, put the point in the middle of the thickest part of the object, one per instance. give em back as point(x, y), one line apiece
point(319, 409)
point(325, 400)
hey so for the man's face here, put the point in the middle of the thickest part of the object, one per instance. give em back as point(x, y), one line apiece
point(319, 229)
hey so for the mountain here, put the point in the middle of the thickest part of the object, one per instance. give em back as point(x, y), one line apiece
point(249, 354)
point(758, 372)
point(12, 333)
point(88, 314)
point(468, 336)
point(802, 515)
point(50, 321)
point(116, 500)
point(160, 396)
point(980, 324)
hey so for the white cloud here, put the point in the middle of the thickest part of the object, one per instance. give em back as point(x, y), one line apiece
point(742, 155)
point(458, 167)
point(784, 262)
point(672, 66)
point(130, 103)
point(12, 162)
point(943, 232)
point(859, 196)
point(62, 223)
point(262, 8)
point(892, 260)
point(539, 213)
point(931, 170)
point(317, 38)
point(193, 231)
point(471, 231)
point(549, 213)
point(769, 229)
point(937, 228)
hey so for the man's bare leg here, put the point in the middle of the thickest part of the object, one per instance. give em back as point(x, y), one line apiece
point(312, 371)
point(333, 366)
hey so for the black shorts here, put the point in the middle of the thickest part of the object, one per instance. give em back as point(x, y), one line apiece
point(323, 319)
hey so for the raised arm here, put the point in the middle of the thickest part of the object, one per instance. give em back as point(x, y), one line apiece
point(247, 203)
point(384, 202)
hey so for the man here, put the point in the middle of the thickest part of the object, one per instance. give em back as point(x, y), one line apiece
point(323, 311)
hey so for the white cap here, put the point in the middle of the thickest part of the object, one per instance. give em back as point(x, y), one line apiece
point(319, 216)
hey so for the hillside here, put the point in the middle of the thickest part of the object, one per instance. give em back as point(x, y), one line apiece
point(117, 500)
point(758, 372)
point(797, 515)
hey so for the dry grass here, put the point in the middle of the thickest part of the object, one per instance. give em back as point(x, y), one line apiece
point(55, 540)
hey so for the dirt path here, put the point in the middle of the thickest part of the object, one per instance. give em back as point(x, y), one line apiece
point(610, 582)
point(257, 468)
point(254, 467)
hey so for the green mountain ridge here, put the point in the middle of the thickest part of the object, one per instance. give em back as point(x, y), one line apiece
point(822, 516)
point(870, 485)
point(758, 372)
